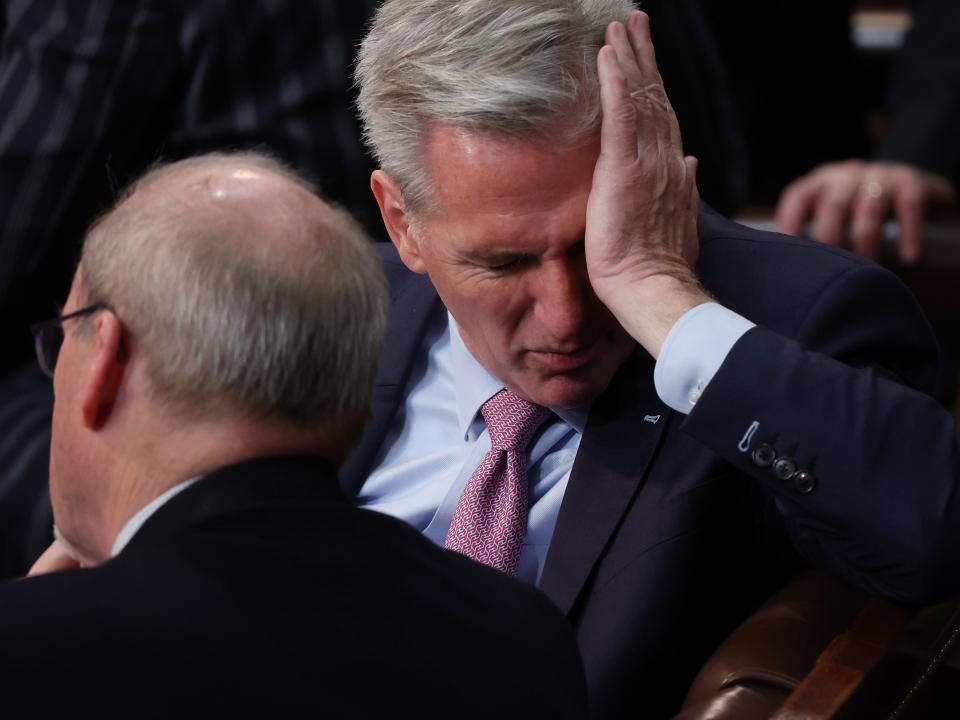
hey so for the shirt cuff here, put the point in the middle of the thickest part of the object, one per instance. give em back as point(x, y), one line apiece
point(694, 350)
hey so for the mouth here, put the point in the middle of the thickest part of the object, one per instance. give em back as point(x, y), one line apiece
point(557, 361)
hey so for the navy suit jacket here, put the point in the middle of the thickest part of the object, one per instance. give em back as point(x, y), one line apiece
point(669, 534)
point(260, 592)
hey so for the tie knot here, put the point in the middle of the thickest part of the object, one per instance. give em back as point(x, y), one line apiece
point(511, 420)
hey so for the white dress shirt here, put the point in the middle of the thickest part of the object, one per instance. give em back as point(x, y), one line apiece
point(438, 437)
point(694, 350)
point(134, 524)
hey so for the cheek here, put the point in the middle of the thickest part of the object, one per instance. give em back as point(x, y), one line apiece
point(58, 448)
point(494, 305)
point(500, 313)
point(491, 323)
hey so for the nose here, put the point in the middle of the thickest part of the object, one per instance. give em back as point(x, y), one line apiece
point(563, 300)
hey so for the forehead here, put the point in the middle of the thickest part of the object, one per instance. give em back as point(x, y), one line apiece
point(508, 181)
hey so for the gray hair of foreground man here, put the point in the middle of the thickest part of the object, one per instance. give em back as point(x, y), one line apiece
point(521, 69)
point(273, 310)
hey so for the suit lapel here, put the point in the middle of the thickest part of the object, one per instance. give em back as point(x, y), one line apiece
point(619, 441)
point(413, 303)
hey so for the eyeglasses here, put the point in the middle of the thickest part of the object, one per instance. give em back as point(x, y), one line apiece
point(48, 336)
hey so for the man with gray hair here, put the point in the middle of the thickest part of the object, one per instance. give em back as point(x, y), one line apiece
point(212, 368)
point(595, 384)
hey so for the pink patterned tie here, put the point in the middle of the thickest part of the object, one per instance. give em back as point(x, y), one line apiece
point(491, 516)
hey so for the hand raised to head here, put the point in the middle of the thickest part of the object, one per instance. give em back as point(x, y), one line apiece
point(641, 229)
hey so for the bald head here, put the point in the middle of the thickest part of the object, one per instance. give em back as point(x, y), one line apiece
point(242, 290)
point(258, 206)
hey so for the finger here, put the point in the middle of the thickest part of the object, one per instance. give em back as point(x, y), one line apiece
point(694, 197)
point(617, 39)
point(648, 126)
point(833, 207)
point(829, 218)
point(940, 191)
point(909, 208)
point(638, 31)
point(53, 559)
point(618, 131)
point(795, 205)
point(638, 28)
point(691, 251)
point(866, 230)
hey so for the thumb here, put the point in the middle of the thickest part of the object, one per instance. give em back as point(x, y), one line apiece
point(54, 559)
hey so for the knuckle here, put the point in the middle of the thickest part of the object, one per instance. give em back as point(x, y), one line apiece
point(834, 204)
point(625, 113)
point(910, 194)
point(798, 191)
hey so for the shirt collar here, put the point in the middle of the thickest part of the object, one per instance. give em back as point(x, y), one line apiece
point(474, 385)
point(143, 514)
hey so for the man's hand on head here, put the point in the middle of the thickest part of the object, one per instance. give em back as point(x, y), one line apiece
point(53, 559)
point(864, 194)
point(641, 230)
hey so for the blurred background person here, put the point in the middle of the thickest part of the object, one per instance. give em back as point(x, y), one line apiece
point(781, 83)
point(91, 94)
point(824, 117)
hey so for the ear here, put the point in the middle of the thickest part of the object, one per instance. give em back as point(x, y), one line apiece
point(396, 219)
point(106, 374)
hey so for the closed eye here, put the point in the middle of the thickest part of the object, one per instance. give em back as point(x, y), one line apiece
point(504, 264)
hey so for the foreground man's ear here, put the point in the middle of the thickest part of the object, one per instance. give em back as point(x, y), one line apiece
point(396, 219)
point(103, 382)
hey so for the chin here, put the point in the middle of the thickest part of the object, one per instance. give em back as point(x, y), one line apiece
point(564, 391)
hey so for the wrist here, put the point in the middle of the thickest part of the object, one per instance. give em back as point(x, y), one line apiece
point(647, 309)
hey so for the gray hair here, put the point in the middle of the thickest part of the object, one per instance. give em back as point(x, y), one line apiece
point(511, 68)
point(285, 324)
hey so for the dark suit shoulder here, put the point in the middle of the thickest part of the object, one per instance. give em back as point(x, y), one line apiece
point(309, 600)
point(776, 280)
point(775, 265)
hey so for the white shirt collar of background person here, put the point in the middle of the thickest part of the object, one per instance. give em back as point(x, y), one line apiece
point(143, 514)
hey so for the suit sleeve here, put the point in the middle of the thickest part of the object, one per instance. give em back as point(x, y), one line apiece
point(84, 93)
point(925, 93)
point(863, 466)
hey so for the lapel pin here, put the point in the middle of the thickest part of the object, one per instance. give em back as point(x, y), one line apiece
point(652, 419)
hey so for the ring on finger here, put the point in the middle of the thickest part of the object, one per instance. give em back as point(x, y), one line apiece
point(873, 189)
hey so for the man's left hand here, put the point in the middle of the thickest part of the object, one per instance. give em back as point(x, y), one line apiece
point(864, 194)
point(641, 231)
point(54, 559)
